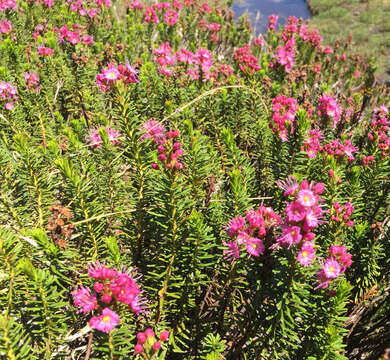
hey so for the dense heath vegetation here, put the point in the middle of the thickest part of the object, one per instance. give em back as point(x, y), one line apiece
point(174, 188)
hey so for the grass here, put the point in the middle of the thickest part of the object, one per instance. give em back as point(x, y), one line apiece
point(367, 20)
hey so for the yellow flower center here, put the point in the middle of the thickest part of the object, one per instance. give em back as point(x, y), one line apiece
point(304, 254)
point(106, 319)
point(254, 246)
point(332, 269)
point(306, 198)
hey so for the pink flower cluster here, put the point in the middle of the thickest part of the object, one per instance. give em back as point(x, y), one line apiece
point(169, 149)
point(368, 160)
point(258, 41)
point(303, 215)
point(340, 150)
point(136, 5)
point(272, 20)
point(213, 28)
point(114, 287)
point(290, 28)
point(32, 82)
point(5, 27)
point(8, 94)
point(194, 63)
point(342, 215)
point(7, 5)
point(153, 129)
point(328, 108)
point(309, 36)
point(96, 141)
point(146, 342)
point(247, 62)
point(45, 51)
point(171, 17)
point(74, 36)
point(380, 129)
point(284, 109)
point(250, 232)
point(113, 73)
point(312, 143)
point(285, 55)
point(78, 6)
point(336, 264)
point(164, 55)
point(151, 12)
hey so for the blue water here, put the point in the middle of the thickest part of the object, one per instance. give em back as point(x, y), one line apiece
point(282, 8)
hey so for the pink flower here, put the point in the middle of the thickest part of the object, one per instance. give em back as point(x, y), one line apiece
point(284, 109)
point(42, 50)
point(290, 185)
point(285, 55)
point(307, 254)
point(331, 268)
point(232, 252)
point(164, 55)
point(138, 349)
point(242, 237)
point(272, 20)
point(306, 198)
point(258, 41)
point(100, 271)
point(5, 27)
point(111, 74)
point(311, 219)
point(328, 108)
point(290, 235)
point(247, 62)
point(106, 321)
point(322, 279)
point(9, 105)
point(255, 247)
point(295, 212)
point(214, 27)
point(164, 335)
point(7, 5)
point(96, 141)
point(149, 332)
point(137, 5)
point(92, 12)
point(154, 129)
point(255, 220)
point(319, 188)
point(84, 299)
point(236, 224)
point(87, 40)
point(171, 17)
point(204, 58)
point(141, 338)
point(156, 345)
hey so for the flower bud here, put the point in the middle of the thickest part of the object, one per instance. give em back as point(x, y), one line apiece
point(138, 349)
point(149, 332)
point(141, 337)
point(164, 335)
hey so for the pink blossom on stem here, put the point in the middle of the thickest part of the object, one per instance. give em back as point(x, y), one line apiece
point(306, 254)
point(84, 299)
point(105, 322)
